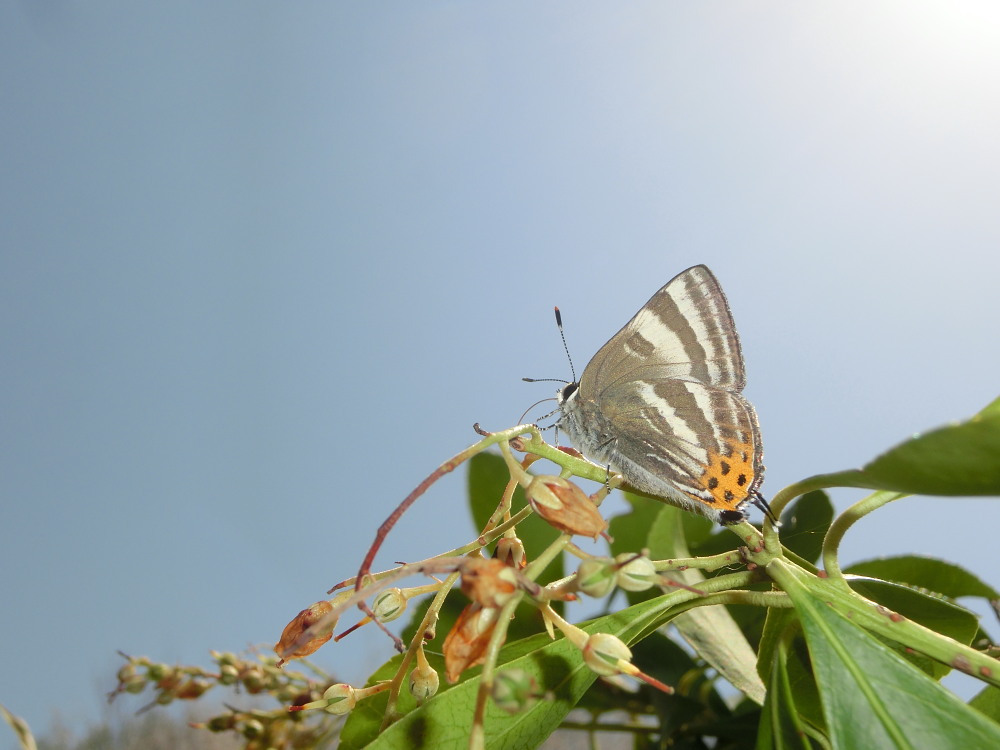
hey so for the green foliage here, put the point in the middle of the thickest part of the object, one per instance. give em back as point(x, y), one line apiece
point(861, 673)
point(874, 698)
point(765, 650)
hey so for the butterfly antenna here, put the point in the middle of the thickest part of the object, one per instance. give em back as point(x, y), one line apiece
point(562, 335)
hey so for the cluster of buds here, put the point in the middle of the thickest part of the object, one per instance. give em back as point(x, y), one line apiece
point(259, 728)
point(490, 584)
point(169, 682)
point(300, 638)
point(597, 576)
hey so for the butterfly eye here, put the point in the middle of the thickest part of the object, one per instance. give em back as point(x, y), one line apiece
point(568, 390)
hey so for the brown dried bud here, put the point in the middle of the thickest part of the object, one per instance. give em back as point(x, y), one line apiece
point(489, 583)
point(466, 643)
point(299, 624)
point(192, 689)
point(510, 549)
point(565, 506)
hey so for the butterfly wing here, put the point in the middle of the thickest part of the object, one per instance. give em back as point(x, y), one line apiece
point(679, 434)
point(685, 331)
point(662, 398)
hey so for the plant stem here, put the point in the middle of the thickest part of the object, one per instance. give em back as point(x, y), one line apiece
point(845, 521)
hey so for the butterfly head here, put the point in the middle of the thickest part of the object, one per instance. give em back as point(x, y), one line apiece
point(565, 393)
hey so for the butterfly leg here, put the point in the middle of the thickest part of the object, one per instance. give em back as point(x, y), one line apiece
point(760, 503)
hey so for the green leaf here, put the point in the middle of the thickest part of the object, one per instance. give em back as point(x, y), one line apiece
point(781, 723)
point(927, 573)
point(783, 632)
point(874, 699)
point(993, 407)
point(805, 523)
point(958, 459)
point(987, 702)
point(937, 614)
point(933, 613)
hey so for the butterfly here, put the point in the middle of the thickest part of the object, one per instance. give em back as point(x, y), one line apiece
point(661, 403)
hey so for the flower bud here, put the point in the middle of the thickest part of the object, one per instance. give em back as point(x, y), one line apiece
point(294, 630)
point(129, 679)
point(341, 698)
point(253, 679)
point(510, 550)
point(602, 653)
point(221, 723)
point(424, 680)
point(564, 506)
point(126, 672)
point(389, 604)
point(489, 583)
point(228, 674)
point(252, 728)
point(225, 657)
point(635, 572)
point(170, 679)
point(596, 577)
point(192, 689)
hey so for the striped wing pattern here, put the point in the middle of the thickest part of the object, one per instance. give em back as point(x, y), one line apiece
point(685, 331)
point(661, 403)
point(703, 440)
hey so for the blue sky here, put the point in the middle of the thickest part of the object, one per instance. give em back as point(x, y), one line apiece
point(262, 265)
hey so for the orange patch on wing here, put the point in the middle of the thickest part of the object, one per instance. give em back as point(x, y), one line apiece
point(729, 477)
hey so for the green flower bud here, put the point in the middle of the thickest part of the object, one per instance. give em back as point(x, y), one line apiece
point(636, 572)
point(596, 577)
point(389, 604)
point(602, 652)
point(252, 728)
point(228, 674)
point(341, 698)
point(221, 723)
point(424, 683)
